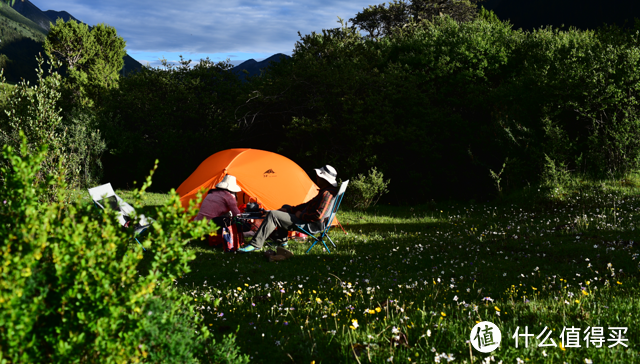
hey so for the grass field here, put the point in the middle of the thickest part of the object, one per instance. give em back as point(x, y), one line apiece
point(407, 284)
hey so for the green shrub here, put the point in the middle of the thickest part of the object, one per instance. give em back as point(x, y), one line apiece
point(74, 143)
point(555, 174)
point(73, 286)
point(34, 112)
point(85, 147)
point(365, 191)
point(226, 352)
point(167, 333)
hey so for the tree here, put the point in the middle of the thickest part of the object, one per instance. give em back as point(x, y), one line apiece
point(92, 58)
point(380, 20)
point(459, 10)
point(488, 15)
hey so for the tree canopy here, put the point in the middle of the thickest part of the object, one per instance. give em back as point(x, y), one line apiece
point(380, 20)
point(92, 58)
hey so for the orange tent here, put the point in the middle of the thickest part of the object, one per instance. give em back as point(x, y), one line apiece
point(270, 178)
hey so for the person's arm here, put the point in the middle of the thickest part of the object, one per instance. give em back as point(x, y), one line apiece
point(232, 204)
point(297, 208)
point(316, 208)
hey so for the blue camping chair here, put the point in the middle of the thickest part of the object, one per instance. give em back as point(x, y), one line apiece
point(322, 227)
point(103, 195)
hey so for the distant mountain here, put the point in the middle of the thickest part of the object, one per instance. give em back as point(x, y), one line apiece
point(22, 32)
point(54, 15)
point(33, 13)
point(582, 14)
point(20, 40)
point(254, 68)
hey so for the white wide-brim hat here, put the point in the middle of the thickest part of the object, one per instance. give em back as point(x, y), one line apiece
point(328, 173)
point(229, 183)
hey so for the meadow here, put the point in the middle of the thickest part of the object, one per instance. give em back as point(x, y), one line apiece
point(407, 284)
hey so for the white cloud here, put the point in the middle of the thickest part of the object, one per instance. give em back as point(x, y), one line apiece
point(214, 27)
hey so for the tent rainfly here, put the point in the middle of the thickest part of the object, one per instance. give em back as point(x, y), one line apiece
point(271, 179)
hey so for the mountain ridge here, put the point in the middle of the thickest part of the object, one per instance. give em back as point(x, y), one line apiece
point(254, 67)
point(27, 9)
point(43, 19)
point(54, 15)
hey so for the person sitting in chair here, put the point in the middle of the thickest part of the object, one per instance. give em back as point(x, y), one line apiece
point(287, 216)
point(219, 202)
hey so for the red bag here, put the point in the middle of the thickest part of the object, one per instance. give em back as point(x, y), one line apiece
point(232, 237)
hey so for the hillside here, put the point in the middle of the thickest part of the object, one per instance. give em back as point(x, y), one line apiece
point(20, 40)
point(23, 30)
point(32, 12)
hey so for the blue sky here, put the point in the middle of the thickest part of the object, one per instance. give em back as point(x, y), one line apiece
point(234, 29)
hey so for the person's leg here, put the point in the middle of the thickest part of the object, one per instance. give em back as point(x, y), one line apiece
point(274, 219)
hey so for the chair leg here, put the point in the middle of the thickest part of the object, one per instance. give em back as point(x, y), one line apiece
point(325, 246)
point(331, 240)
point(312, 245)
point(140, 244)
point(316, 241)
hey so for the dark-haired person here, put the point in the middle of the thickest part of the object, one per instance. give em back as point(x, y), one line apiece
point(219, 202)
point(287, 217)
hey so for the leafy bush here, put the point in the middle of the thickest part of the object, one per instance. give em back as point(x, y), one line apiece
point(555, 174)
point(365, 191)
point(74, 145)
point(73, 288)
point(226, 352)
point(85, 147)
point(92, 58)
point(167, 333)
point(33, 111)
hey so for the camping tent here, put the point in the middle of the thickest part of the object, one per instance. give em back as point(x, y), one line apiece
point(270, 178)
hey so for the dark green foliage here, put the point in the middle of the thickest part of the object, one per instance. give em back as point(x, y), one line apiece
point(179, 115)
point(382, 20)
point(438, 105)
point(34, 113)
point(167, 333)
point(574, 98)
point(21, 40)
point(397, 103)
point(226, 352)
point(487, 15)
point(85, 147)
point(73, 288)
point(19, 61)
point(74, 143)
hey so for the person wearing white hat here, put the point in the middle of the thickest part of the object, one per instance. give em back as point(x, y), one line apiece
point(287, 217)
point(220, 201)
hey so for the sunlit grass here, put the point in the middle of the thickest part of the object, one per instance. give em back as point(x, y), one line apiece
point(407, 284)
